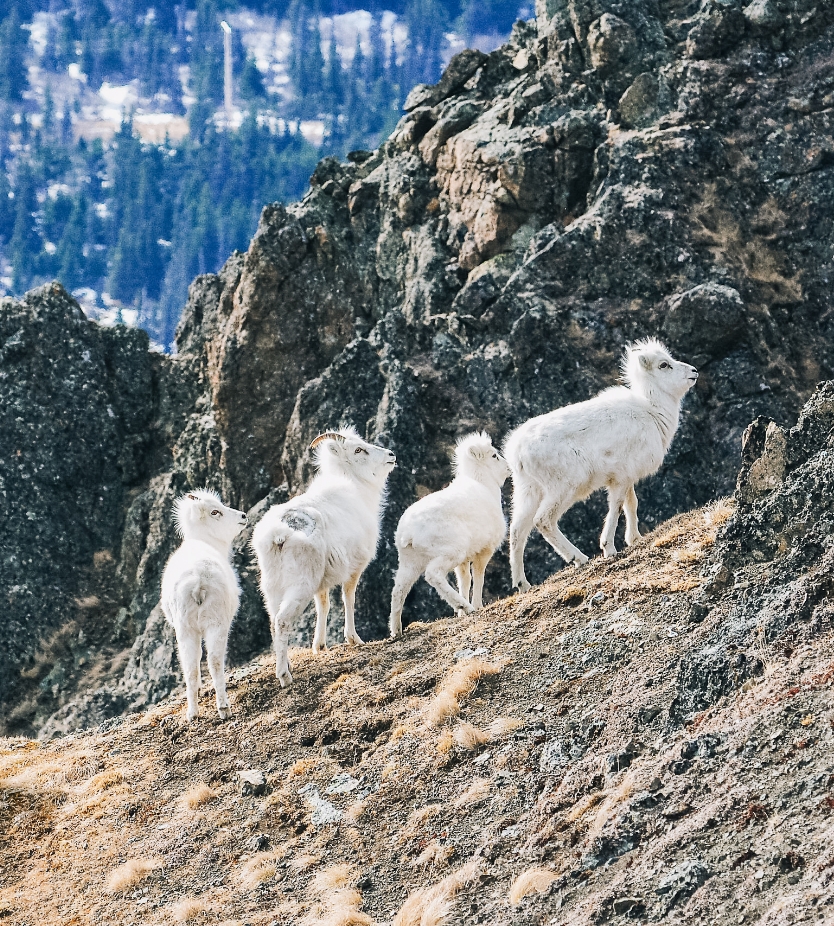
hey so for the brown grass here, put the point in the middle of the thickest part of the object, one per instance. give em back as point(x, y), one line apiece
point(477, 792)
point(457, 685)
point(304, 862)
point(197, 796)
point(501, 726)
point(131, 873)
point(188, 908)
point(332, 878)
point(261, 867)
point(469, 737)
point(532, 881)
point(430, 906)
point(434, 854)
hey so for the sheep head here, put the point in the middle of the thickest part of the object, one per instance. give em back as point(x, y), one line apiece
point(476, 458)
point(345, 452)
point(648, 368)
point(200, 515)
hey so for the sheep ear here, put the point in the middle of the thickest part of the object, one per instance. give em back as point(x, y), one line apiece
point(192, 497)
point(645, 362)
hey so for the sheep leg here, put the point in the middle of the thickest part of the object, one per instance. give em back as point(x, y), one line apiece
point(547, 521)
point(632, 526)
point(463, 576)
point(288, 613)
point(616, 497)
point(216, 638)
point(479, 564)
point(190, 653)
point(525, 505)
point(322, 610)
point(407, 574)
point(436, 575)
point(349, 599)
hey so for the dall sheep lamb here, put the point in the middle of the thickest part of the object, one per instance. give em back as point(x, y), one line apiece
point(322, 538)
point(454, 528)
point(200, 591)
point(613, 440)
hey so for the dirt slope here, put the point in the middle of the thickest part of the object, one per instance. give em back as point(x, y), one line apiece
point(646, 738)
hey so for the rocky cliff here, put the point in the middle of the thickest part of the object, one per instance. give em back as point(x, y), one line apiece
point(616, 170)
point(644, 739)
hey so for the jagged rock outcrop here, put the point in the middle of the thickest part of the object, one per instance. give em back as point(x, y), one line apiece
point(615, 171)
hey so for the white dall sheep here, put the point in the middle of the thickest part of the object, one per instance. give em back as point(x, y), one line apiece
point(200, 591)
point(448, 530)
point(613, 440)
point(322, 538)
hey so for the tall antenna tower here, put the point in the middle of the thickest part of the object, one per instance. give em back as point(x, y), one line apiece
point(227, 71)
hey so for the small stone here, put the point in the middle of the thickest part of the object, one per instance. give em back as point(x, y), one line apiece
point(252, 781)
point(627, 905)
point(678, 810)
point(342, 784)
point(258, 843)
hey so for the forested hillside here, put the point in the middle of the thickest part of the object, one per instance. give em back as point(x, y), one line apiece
point(122, 174)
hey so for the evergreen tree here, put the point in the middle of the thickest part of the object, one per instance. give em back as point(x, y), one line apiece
point(70, 253)
point(334, 93)
point(7, 207)
point(25, 244)
point(14, 42)
point(251, 82)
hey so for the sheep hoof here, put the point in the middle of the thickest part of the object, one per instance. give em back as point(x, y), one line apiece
point(285, 677)
point(224, 712)
point(581, 559)
point(606, 552)
point(353, 639)
point(191, 716)
point(523, 587)
point(464, 610)
point(319, 647)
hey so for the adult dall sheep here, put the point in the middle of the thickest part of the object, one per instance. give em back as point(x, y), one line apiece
point(612, 440)
point(200, 591)
point(322, 538)
point(454, 528)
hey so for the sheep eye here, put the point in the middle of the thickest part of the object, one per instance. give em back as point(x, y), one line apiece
point(665, 366)
point(215, 513)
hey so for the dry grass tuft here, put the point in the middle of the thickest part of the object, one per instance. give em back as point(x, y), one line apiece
point(442, 706)
point(339, 905)
point(469, 737)
point(719, 511)
point(434, 854)
point(445, 742)
point(131, 873)
point(430, 906)
point(304, 862)
point(104, 780)
point(458, 683)
point(501, 726)
point(477, 792)
point(332, 878)
point(303, 766)
point(197, 796)
point(188, 908)
point(580, 808)
point(261, 867)
point(532, 881)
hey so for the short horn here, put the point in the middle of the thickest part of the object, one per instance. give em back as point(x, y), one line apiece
point(328, 435)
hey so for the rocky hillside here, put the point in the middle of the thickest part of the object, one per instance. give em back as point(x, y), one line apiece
point(617, 170)
point(642, 739)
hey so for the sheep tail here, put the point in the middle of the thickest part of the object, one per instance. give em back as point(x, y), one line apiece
point(292, 524)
